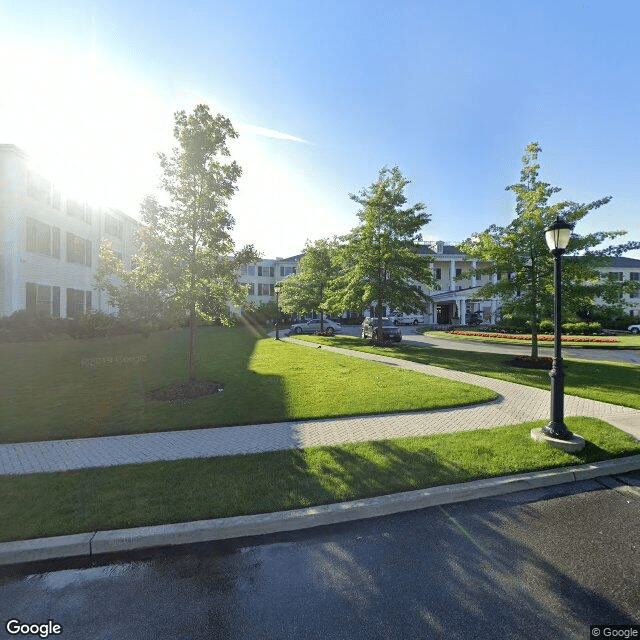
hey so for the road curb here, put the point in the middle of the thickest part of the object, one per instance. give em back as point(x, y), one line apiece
point(122, 540)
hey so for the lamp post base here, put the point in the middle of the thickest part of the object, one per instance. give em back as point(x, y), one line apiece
point(574, 444)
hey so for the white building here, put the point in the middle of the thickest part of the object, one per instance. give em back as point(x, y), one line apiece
point(453, 300)
point(263, 276)
point(50, 242)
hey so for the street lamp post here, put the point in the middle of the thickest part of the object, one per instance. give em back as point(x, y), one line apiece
point(277, 290)
point(557, 236)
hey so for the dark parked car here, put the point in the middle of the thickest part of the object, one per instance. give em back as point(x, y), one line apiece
point(371, 329)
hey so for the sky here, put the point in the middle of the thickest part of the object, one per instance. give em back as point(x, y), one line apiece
point(325, 93)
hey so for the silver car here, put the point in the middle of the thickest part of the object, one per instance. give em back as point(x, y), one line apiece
point(370, 329)
point(313, 326)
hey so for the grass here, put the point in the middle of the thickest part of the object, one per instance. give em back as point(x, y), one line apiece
point(160, 493)
point(616, 383)
point(623, 341)
point(84, 388)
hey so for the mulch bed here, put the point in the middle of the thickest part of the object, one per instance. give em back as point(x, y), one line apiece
point(185, 391)
point(528, 362)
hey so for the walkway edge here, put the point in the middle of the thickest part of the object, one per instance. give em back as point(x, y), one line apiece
point(120, 540)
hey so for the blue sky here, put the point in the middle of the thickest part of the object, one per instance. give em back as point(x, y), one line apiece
point(325, 93)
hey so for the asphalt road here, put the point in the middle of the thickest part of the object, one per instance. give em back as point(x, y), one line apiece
point(539, 564)
point(411, 337)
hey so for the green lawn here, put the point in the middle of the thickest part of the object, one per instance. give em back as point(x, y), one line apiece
point(623, 341)
point(82, 388)
point(160, 493)
point(604, 381)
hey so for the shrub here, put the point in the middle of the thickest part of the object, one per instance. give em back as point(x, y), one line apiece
point(546, 326)
point(26, 326)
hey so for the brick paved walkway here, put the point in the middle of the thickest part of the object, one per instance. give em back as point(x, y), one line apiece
point(516, 404)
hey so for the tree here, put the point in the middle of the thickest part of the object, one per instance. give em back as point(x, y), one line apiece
point(307, 290)
point(187, 256)
point(380, 261)
point(519, 256)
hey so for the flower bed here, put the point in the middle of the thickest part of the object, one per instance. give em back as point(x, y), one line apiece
point(541, 338)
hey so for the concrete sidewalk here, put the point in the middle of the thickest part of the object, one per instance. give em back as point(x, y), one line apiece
point(516, 404)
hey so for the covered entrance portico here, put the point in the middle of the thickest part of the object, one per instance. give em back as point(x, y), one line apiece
point(455, 307)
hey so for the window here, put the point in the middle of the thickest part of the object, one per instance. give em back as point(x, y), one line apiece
point(78, 250)
point(43, 239)
point(39, 188)
point(55, 242)
point(458, 273)
point(438, 273)
point(634, 277)
point(112, 225)
point(79, 210)
point(266, 271)
point(265, 289)
point(75, 303)
point(38, 298)
point(251, 289)
point(287, 271)
point(55, 302)
point(43, 299)
point(251, 270)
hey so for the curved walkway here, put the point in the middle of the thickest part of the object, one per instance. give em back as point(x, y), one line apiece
point(516, 404)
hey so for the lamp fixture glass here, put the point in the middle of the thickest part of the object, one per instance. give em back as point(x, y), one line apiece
point(277, 288)
point(558, 234)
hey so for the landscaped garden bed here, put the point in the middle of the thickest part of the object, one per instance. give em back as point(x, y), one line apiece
point(527, 337)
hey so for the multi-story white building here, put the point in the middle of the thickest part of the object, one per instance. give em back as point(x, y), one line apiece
point(50, 242)
point(453, 299)
point(49, 246)
point(625, 269)
point(263, 276)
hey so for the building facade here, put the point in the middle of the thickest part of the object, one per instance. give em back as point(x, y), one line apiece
point(50, 242)
point(453, 298)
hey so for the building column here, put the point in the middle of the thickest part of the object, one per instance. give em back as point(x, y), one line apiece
point(452, 275)
point(494, 310)
point(474, 264)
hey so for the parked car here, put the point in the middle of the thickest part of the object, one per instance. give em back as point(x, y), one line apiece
point(408, 318)
point(371, 329)
point(313, 326)
point(634, 328)
point(474, 318)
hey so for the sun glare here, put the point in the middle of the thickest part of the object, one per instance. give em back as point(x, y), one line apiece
point(91, 130)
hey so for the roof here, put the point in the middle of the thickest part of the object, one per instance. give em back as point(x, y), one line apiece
point(626, 262)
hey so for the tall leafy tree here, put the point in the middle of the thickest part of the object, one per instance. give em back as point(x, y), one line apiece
point(308, 289)
point(518, 254)
point(380, 261)
point(187, 255)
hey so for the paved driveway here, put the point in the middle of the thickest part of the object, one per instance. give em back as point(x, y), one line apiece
point(410, 336)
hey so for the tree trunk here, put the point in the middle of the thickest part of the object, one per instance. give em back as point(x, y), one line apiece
point(534, 336)
point(192, 345)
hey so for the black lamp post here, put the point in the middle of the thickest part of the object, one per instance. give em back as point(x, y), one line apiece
point(557, 236)
point(277, 290)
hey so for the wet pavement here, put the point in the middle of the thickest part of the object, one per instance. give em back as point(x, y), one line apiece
point(539, 564)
